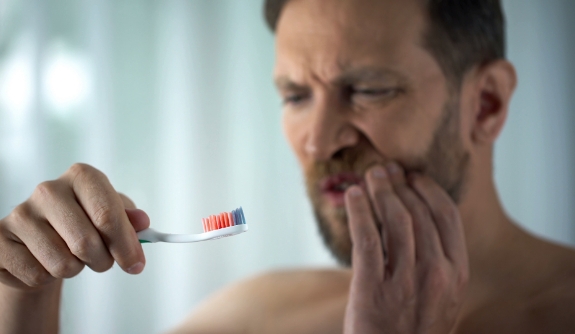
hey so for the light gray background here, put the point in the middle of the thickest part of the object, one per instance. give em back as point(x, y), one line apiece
point(180, 112)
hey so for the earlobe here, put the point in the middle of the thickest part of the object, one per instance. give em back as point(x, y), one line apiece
point(495, 85)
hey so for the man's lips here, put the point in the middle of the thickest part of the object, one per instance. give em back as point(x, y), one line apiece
point(333, 187)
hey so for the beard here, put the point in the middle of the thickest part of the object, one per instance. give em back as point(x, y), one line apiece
point(445, 161)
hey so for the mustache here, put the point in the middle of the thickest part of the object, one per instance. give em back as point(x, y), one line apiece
point(354, 160)
point(344, 161)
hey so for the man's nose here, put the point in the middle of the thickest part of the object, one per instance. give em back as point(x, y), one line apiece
point(329, 131)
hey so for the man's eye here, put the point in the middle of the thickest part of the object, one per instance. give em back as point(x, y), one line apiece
point(375, 92)
point(294, 98)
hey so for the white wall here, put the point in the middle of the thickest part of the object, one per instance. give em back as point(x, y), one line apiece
point(180, 112)
point(536, 152)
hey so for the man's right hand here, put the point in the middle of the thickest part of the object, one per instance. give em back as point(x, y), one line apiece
point(76, 220)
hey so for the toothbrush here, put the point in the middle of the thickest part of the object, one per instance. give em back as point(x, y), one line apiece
point(223, 225)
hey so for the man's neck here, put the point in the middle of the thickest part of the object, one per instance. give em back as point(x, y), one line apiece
point(499, 251)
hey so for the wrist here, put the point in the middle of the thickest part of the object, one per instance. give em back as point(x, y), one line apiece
point(24, 291)
point(30, 310)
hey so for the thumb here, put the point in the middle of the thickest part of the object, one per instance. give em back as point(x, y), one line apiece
point(138, 218)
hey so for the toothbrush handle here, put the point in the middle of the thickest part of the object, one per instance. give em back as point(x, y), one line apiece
point(148, 235)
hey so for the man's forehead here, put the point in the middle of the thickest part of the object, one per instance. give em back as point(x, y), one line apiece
point(346, 40)
point(340, 36)
point(358, 17)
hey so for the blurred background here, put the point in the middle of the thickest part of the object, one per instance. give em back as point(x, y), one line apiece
point(174, 101)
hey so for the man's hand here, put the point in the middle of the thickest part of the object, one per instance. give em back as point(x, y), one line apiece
point(411, 276)
point(76, 220)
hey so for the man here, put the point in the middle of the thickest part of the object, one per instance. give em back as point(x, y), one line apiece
point(392, 108)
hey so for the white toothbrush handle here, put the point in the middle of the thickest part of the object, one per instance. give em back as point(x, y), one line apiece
point(150, 235)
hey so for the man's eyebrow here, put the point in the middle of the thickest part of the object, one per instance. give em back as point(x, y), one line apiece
point(284, 82)
point(367, 74)
point(347, 77)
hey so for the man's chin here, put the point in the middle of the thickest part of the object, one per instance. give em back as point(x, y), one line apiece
point(332, 223)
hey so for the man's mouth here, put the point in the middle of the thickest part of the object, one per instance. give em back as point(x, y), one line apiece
point(334, 187)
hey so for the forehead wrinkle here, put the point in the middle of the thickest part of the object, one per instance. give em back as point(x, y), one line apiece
point(318, 70)
point(369, 73)
point(321, 40)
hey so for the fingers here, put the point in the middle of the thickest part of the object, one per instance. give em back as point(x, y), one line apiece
point(47, 247)
point(128, 203)
point(105, 209)
point(74, 221)
point(18, 265)
point(396, 222)
point(68, 219)
point(367, 250)
point(138, 218)
point(446, 217)
point(427, 243)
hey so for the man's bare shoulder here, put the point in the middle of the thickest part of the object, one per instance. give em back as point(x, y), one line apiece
point(553, 309)
point(248, 305)
point(548, 306)
point(551, 312)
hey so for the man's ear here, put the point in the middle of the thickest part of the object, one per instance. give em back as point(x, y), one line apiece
point(495, 83)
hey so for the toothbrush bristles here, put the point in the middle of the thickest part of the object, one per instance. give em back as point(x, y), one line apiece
point(223, 220)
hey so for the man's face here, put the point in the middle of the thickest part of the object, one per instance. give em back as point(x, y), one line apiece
point(359, 89)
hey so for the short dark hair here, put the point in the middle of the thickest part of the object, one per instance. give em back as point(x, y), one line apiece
point(461, 33)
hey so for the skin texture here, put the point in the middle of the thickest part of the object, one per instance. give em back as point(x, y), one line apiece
point(432, 250)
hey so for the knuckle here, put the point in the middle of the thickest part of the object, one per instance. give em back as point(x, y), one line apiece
point(437, 278)
point(21, 213)
point(46, 189)
point(80, 169)
point(104, 217)
point(38, 277)
point(84, 246)
point(66, 268)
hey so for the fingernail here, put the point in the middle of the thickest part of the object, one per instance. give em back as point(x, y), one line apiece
point(136, 269)
point(393, 168)
point(379, 172)
point(355, 191)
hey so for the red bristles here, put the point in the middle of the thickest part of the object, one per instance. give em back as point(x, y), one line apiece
point(216, 222)
point(212, 223)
